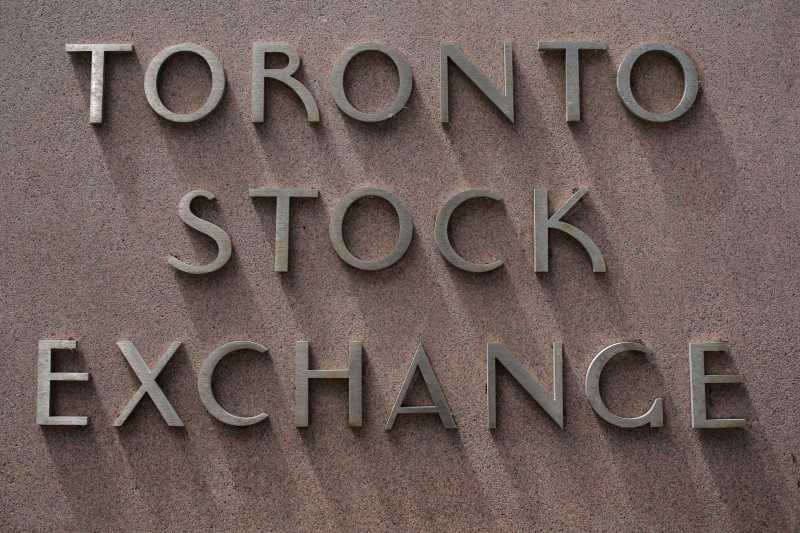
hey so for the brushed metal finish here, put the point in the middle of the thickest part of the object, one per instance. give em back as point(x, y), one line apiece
point(542, 225)
point(353, 373)
point(504, 101)
point(691, 82)
point(654, 416)
point(699, 379)
point(439, 407)
point(282, 197)
point(219, 235)
point(554, 406)
point(217, 83)
point(572, 71)
point(45, 375)
point(207, 392)
point(403, 238)
point(98, 73)
point(284, 75)
point(443, 223)
point(149, 385)
point(403, 91)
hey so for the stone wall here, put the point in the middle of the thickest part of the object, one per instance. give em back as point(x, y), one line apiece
point(697, 221)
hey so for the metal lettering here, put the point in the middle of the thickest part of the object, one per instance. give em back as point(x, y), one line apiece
point(45, 376)
point(554, 406)
point(572, 75)
point(542, 225)
point(207, 228)
point(654, 416)
point(691, 82)
point(352, 373)
point(403, 239)
point(207, 393)
point(699, 379)
point(284, 75)
point(439, 406)
point(403, 92)
point(282, 197)
point(98, 73)
point(443, 223)
point(504, 101)
point(217, 82)
point(149, 385)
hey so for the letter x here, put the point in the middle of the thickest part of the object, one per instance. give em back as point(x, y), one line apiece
point(149, 385)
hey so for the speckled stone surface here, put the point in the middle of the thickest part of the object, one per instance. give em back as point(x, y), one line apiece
point(697, 220)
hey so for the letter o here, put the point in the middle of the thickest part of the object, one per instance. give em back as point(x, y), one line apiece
point(403, 92)
point(151, 82)
point(403, 239)
point(690, 82)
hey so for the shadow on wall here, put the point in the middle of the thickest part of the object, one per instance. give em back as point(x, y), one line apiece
point(403, 476)
point(87, 473)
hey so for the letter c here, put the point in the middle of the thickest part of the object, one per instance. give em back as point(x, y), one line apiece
point(207, 394)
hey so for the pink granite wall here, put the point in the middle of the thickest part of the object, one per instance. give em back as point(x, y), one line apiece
point(697, 220)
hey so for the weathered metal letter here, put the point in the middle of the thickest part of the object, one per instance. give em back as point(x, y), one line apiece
point(443, 240)
point(554, 406)
point(542, 225)
point(403, 91)
point(284, 75)
point(203, 226)
point(352, 373)
point(98, 73)
point(699, 379)
point(282, 219)
point(45, 376)
point(504, 101)
point(654, 416)
point(149, 384)
point(691, 82)
point(151, 82)
point(207, 393)
point(439, 406)
point(573, 73)
point(403, 239)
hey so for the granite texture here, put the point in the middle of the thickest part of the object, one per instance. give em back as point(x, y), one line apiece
point(697, 220)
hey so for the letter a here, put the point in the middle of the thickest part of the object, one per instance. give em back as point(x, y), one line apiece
point(440, 406)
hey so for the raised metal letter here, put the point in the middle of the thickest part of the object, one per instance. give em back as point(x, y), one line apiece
point(554, 406)
point(542, 225)
point(45, 376)
point(284, 75)
point(207, 393)
point(504, 101)
point(654, 416)
point(282, 219)
point(149, 384)
point(97, 77)
point(691, 82)
point(403, 91)
point(439, 406)
point(443, 240)
point(151, 82)
point(203, 226)
point(699, 379)
point(403, 239)
point(352, 373)
point(573, 74)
